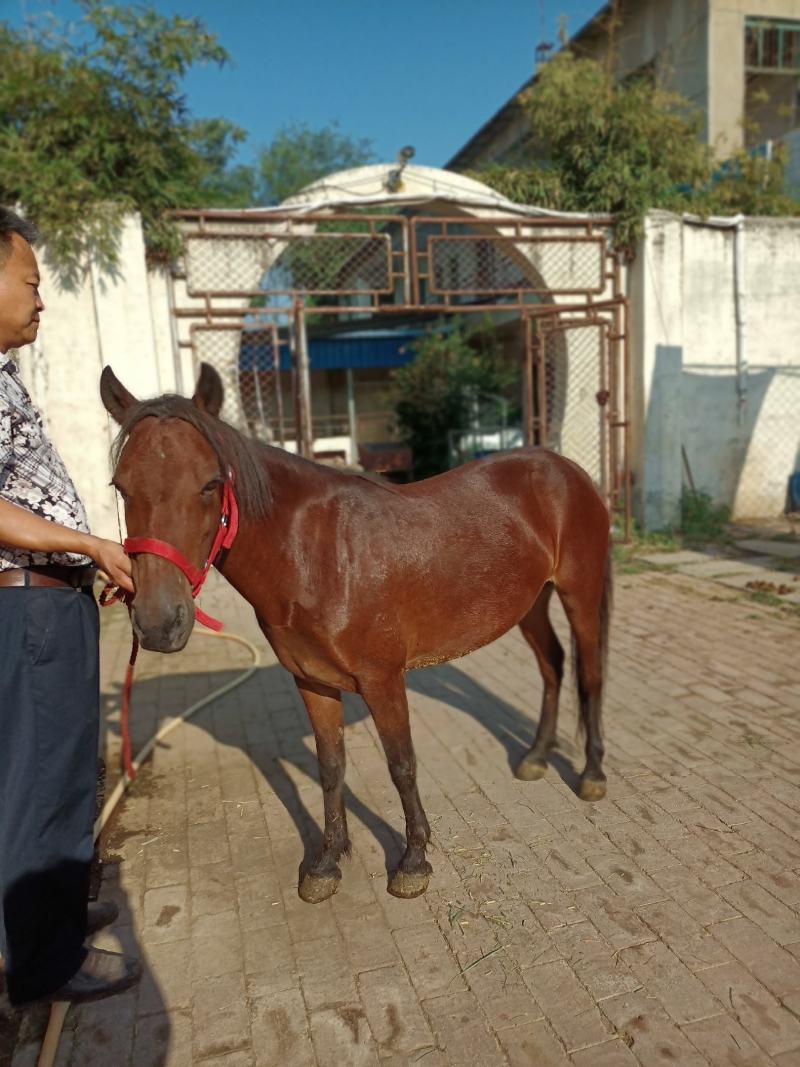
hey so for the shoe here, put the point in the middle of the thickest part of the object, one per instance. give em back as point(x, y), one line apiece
point(100, 913)
point(102, 975)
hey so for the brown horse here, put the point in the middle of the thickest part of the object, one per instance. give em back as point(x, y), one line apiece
point(355, 581)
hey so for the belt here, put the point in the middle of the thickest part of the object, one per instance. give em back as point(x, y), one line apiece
point(50, 575)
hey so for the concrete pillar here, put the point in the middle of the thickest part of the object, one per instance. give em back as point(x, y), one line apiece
point(656, 305)
point(168, 368)
point(62, 373)
point(663, 476)
point(122, 311)
point(725, 80)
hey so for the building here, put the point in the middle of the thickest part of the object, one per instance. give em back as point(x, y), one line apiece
point(737, 61)
point(713, 350)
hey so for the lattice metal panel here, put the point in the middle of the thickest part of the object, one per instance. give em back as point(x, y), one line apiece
point(224, 263)
point(248, 363)
point(469, 264)
point(377, 260)
point(576, 361)
point(339, 263)
point(318, 263)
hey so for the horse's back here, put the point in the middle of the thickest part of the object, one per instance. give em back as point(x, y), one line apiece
point(550, 490)
point(548, 469)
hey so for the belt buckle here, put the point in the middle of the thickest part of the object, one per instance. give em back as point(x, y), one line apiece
point(76, 576)
point(88, 575)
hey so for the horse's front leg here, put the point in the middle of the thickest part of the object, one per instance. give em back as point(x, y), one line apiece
point(388, 704)
point(324, 707)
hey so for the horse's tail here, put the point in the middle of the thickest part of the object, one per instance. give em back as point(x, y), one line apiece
point(606, 604)
point(604, 623)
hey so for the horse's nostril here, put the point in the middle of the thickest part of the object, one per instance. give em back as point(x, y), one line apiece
point(179, 626)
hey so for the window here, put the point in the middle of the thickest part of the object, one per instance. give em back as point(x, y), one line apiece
point(772, 45)
point(772, 79)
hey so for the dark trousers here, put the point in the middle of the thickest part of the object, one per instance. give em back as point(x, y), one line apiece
point(49, 721)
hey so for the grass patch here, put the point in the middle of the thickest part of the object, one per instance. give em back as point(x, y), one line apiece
point(632, 566)
point(701, 519)
point(702, 522)
point(626, 556)
point(760, 597)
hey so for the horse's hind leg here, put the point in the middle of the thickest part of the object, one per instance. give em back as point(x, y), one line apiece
point(324, 707)
point(387, 701)
point(587, 606)
point(541, 636)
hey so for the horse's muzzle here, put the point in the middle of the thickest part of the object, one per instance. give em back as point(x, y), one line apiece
point(167, 634)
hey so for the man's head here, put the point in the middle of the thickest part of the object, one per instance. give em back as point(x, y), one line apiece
point(20, 304)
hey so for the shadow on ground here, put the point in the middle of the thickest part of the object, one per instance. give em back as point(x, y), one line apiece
point(290, 732)
point(96, 1027)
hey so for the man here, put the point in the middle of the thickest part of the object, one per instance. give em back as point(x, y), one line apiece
point(49, 690)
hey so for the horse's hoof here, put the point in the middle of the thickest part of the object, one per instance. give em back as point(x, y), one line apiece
point(591, 789)
point(531, 770)
point(314, 888)
point(408, 884)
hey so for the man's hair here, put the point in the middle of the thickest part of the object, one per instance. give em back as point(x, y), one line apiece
point(10, 223)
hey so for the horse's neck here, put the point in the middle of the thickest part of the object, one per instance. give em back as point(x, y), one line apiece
point(285, 467)
point(293, 482)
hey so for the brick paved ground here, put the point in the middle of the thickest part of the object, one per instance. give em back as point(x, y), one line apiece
point(658, 927)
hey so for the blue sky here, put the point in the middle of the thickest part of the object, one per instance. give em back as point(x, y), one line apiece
point(422, 72)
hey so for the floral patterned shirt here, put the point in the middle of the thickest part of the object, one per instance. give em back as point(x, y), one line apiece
point(32, 474)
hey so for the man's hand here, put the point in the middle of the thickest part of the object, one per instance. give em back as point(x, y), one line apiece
point(110, 557)
point(22, 529)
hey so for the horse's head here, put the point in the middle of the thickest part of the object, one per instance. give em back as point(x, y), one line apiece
point(170, 480)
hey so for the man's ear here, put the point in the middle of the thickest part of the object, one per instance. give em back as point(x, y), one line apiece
point(209, 392)
point(116, 399)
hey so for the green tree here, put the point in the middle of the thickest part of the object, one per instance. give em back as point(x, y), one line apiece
point(623, 148)
point(435, 393)
point(221, 184)
point(299, 155)
point(95, 125)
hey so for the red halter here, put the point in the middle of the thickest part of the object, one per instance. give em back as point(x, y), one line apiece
point(225, 536)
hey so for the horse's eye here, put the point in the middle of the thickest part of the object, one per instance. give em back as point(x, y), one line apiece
point(210, 487)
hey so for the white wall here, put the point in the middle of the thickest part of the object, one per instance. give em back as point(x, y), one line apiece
point(740, 449)
point(122, 321)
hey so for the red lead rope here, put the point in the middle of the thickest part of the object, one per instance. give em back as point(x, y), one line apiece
point(111, 594)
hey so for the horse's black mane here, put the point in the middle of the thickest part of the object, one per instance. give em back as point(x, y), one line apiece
point(243, 455)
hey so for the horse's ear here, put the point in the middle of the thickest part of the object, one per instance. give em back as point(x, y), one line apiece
point(116, 399)
point(209, 392)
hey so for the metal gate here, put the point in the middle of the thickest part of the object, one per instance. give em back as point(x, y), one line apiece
point(255, 403)
point(576, 374)
point(249, 283)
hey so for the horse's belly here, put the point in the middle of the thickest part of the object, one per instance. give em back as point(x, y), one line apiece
point(444, 652)
point(452, 630)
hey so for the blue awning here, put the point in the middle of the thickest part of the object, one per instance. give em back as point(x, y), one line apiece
point(373, 348)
